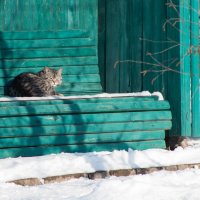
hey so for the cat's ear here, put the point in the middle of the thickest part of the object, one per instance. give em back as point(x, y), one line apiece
point(46, 69)
point(60, 71)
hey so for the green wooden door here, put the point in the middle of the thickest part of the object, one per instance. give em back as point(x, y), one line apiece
point(124, 30)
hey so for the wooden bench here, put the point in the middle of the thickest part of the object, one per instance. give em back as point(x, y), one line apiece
point(32, 127)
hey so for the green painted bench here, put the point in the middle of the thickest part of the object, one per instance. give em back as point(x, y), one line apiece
point(30, 127)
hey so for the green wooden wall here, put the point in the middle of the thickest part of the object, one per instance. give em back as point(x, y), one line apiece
point(33, 15)
point(130, 31)
point(61, 33)
point(152, 54)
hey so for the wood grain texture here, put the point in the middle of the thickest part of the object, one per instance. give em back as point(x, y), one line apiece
point(82, 129)
point(80, 139)
point(51, 62)
point(154, 46)
point(28, 35)
point(46, 43)
point(84, 108)
point(86, 78)
point(17, 102)
point(174, 88)
point(41, 14)
point(37, 151)
point(54, 34)
point(58, 119)
point(195, 69)
point(67, 70)
point(64, 33)
point(51, 53)
point(185, 69)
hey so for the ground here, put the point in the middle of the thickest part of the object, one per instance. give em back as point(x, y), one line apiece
point(178, 185)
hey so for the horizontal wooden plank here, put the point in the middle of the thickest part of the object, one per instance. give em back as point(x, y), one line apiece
point(29, 121)
point(67, 70)
point(84, 108)
point(79, 93)
point(46, 43)
point(80, 139)
point(87, 78)
point(75, 129)
point(51, 62)
point(37, 151)
point(44, 34)
point(80, 87)
point(71, 87)
point(61, 100)
point(48, 53)
point(65, 93)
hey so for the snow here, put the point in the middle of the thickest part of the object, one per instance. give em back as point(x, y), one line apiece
point(71, 163)
point(179, 185)
point(102, 95)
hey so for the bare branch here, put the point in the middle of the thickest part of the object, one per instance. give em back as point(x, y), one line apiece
point(134, 61)
point(165, 50)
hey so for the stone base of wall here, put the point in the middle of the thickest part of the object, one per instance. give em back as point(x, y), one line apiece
point(100, 174)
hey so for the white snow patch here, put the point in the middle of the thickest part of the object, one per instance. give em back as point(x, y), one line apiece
point(70, 163)
point(102, 95)
point(179, 185)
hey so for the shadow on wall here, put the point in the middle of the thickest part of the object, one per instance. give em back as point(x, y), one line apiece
point(39, 128)
point(45, 127)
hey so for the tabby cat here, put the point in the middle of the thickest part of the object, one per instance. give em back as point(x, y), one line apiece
point(36, 84)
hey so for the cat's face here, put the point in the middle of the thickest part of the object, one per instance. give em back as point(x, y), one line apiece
point(54, 76)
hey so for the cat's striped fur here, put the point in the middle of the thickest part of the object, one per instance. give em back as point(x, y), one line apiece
point(38, 84)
